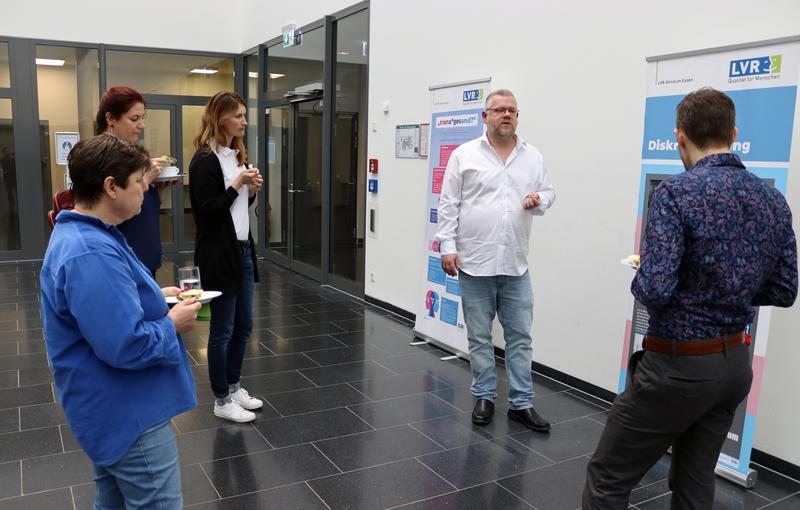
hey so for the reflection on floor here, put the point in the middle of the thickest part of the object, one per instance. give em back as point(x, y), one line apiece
point(355, 418)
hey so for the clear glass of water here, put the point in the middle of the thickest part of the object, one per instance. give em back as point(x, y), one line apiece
point(189, 278)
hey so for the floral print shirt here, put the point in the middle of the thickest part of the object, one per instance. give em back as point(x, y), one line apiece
point(718, 242)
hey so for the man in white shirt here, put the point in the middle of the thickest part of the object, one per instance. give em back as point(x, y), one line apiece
point(492, 188)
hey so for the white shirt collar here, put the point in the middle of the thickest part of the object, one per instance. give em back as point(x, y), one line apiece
point(221, 149)
point(520, 142)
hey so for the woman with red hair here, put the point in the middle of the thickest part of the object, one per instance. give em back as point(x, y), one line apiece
point(121, 113)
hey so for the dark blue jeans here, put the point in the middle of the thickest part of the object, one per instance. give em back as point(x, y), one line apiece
point(229, 331)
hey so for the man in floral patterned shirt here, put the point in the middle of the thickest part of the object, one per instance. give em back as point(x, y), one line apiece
point(718, 243)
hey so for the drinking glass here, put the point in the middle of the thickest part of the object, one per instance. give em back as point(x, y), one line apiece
point(189, 278)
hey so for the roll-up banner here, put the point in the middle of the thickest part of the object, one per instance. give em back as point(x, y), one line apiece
point(456, 118)
point(761, 78)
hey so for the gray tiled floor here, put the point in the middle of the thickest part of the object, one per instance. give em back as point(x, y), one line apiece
point(354, 418)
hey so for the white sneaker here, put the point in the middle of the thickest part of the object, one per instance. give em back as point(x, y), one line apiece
point(245, 400)
point(233, 411)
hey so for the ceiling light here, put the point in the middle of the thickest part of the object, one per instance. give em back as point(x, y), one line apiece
point(204, 70)
point(343, 53)
point(252, 74)
point(275, 76)
point(58, 62)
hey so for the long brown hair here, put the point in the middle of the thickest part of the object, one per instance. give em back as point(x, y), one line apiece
point(218, 106)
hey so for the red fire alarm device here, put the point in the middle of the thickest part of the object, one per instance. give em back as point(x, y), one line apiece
point(373, 166)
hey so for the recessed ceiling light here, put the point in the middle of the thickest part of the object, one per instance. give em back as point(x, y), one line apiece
point(204, 70)
point(57, 62)
point(343, 53)
point(275, 76)
point(252, 74)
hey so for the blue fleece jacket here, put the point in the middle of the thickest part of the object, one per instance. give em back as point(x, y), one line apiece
point(118, 363)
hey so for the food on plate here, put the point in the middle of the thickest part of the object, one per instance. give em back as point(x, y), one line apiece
point(190, 294)
point(170, 159)
point(634, 259)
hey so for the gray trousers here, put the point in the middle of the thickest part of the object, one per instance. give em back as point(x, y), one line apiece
point(686, 402)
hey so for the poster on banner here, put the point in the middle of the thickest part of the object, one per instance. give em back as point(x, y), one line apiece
point(762, 82)
point(456, 118)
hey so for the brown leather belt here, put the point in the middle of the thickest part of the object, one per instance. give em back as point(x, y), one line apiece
point(691, 348)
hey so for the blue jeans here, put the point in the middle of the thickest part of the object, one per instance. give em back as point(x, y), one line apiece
point(229, 331)
point(148, 476)
point(511, 297)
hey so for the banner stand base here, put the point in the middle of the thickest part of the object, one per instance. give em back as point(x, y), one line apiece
point(748, 481)
point(441, 345)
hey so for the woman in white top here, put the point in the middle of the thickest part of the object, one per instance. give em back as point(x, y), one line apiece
point(221, 188)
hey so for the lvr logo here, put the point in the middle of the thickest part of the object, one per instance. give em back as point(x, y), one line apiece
point(755, 66)
point(472, 96)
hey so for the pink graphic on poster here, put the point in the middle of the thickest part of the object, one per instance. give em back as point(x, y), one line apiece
point(436, 184)
point(444, 153)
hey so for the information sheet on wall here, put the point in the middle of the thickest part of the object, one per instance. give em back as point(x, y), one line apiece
point(762, 81)
point(456, 119)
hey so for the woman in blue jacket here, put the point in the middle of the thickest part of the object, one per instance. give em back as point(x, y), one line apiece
point(120, 367)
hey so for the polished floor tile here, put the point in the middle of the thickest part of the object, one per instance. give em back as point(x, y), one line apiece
point(54, 471)
point(311, 343)
point(297, 496)
point(354, 417)
point(399, 385)
point(61, 498)
point(497, 458)
point(375, 447)
point(396, 411)
point(475, 498)
point(316, 399)
point(556, 487)
point(380, 487)
point(10, 480)
point(219, 443)
point(9, 420)
point(29, 443)
point(266, 470)
point(346, 372)
point(304, 428)
point(566, 440)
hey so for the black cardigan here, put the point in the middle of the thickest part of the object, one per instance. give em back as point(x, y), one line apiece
point(217, 252)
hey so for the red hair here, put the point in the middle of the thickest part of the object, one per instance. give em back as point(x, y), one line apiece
point(115, 101)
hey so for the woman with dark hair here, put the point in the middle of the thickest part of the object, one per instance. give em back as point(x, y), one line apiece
point(221, 188)
point(121, 113)
point(120, 367)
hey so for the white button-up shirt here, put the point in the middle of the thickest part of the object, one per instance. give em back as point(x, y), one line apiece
point(230, 170)
point(481, 217)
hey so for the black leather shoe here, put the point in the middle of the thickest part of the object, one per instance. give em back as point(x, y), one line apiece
point(530, 418)
point(483, 412)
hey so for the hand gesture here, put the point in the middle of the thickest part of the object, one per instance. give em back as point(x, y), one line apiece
point(184, 314)
point(531, 201)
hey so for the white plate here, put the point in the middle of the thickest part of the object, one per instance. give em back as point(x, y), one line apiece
point(205, 297)
point(627, 262)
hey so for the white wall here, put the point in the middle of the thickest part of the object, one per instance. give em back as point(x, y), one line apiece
point(203, 25)
point(578, 70)
point(263, 20)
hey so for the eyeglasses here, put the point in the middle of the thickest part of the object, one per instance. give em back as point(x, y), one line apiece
point(502, 111)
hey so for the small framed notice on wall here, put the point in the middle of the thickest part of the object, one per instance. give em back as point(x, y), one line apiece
point(406, 141)
point(424, 140)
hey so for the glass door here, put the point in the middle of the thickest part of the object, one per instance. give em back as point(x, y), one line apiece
point(294, 166)
point(157, 138)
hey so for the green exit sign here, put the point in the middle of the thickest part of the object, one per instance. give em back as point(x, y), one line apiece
point(289, 35)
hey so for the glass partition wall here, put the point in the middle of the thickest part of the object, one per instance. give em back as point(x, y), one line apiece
point(314, 116)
